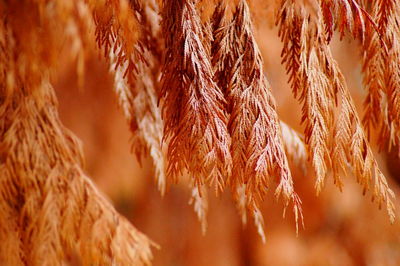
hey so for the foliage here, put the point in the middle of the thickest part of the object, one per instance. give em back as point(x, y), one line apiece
point(188, 77)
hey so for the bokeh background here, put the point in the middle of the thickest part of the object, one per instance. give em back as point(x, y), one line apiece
point(340, 228)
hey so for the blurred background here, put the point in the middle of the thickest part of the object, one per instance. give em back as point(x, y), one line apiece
point(340, 228)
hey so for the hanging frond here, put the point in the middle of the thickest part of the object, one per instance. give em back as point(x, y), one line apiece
point(58, 207)
point(382, 75)
point(50, 206)
point(224, 48)
point(295, 147)
point(374, 80)
point(138, 99)
point(117, 30)
point(257, 147)
point(302, 50)
point(189, 75)
point(195, 122)
point(350, 146)
point(392, 77)
point(345, 16)
point(199, 200)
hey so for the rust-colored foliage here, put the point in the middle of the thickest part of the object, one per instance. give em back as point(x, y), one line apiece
point(315, 75)
point(257, 149)
point(189, 79)
point(195, 120)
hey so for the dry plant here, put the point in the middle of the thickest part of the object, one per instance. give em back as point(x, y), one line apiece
point(257, 146)
point(49, 207)
point(314, 75)
point(189, 78)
